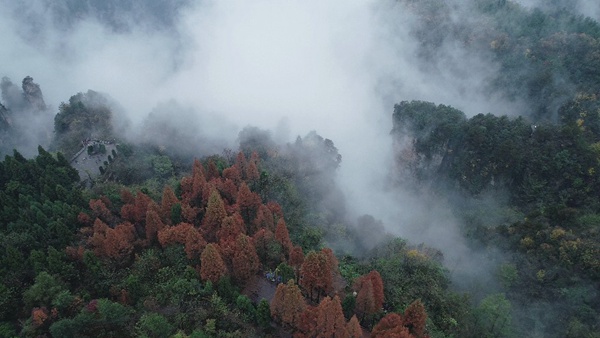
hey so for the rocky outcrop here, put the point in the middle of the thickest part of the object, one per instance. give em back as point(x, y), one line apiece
point(33, 94)
point(4, 118)
point(27, 99)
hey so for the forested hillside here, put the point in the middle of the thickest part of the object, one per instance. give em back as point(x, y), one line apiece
point(478, 217)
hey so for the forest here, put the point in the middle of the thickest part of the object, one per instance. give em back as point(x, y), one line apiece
point(181, 235)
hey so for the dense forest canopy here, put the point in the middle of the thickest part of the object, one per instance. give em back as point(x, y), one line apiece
point(388, 169)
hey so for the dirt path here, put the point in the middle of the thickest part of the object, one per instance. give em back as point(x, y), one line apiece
point(258, 287)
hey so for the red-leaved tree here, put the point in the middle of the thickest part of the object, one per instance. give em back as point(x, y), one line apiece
point(215, 213)
point(263, 220)
point(353, 327)
point(168, 201)
point(283, 237)
point(370, 297)
point(212, 267)
point(415, 317)
point(245, 261)
point(316, 275)
point(288, 304)
point(391, 326)
point(331, 321)
point(248, 203)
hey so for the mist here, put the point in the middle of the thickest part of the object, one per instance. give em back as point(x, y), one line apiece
point(589, 8)
point(215, 67)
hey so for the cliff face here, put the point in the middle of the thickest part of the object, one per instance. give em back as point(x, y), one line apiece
point(4, 118)
point(28, 98)
point(25, 120)
point(32, 94)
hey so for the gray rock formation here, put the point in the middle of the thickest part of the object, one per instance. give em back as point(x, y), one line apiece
point(33, 94)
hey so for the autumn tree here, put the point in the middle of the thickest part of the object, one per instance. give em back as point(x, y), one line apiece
point(127, 197)
point(288, 304)
point(263, 220)
point(189, 213)
point(370, 296)
point(186, 234)
point(136, 212)
point(213, 171)
point(415, 317)
point(330, 321)
point(167, 202)
point(353, 328)
point(194, 243)
point(283, 237)
point(227, 235)
point(316, 274)
point(212, 267)
point(248, 202)
point(215, 213)
point(39, 315)
point(296, 260)
point(333, 262)
point(233, 173)
point(245, 260)
point(153, 225)
point(241, 163)
point(276, 210)
point(228, 190)
point(307, 326)
point(391, 326)
point(252, 173)
point(119, 243)
point(192, 187)
point(96, 241)
point(99, 210)
point(365, 300)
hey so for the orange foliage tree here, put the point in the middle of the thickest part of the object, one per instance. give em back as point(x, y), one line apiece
point(100, 210)
point(245, 261)
point(263, 220)
point(153, 225)
point(353, 327)
point(370, 297)
point(186, 234)
point(39, 316)
point(415, 317)
point(136, 212)
point(227, 234)
point(331, 321)
point(283, 237)
point(119, 242)
point(167, 202)
point(213, 171)
point(248, 203)
point(215, 213)
point(194, 243)
point(391, 326)
point(192, 187)
point(233, 173)
point(212, 267)
point(296, 260)
point(307, 325)
point(228, 190)
point(241, 164)
point(252, 173)
point(316, 274)
point(288, 304)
